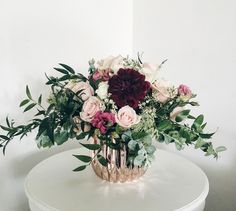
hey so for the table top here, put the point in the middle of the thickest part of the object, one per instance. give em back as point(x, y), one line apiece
point(171, 183)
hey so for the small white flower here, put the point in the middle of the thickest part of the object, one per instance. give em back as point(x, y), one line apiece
point(102, 90)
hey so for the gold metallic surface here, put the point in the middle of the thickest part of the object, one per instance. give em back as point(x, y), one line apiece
point(116, 170)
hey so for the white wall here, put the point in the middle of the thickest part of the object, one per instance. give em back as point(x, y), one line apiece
point(196, 36)
point(34, 37)
point(198, 39)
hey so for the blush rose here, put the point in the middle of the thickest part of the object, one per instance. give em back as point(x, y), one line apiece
point(86, 92)
point(90, 108)
point(127, 117)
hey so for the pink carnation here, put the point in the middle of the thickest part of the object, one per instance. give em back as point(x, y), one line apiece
point(103, 120)
point(184, 90)
point(101, 74)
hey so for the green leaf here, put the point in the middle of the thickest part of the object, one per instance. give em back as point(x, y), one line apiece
point(5, 128)
point(139, 135)
point(91, 146)
point(80, 168)
point(28, 92)
point(197, 123)
point(83, 158)
point(82, 135)
point(199, 143)
point(61, 137)
point(150, 149)
point(102, 160)
point(138, 160)
point(147, 140)
point(61, 70)
point(194, 103)
point(4, 137)
point(132, 144)
point(203, 126)
point(64, 77)
point(220, 149)
point(40, 100)
point(164, 125)
point(44, 141)
point(182, 115)
point(30, 106)
point(7, 121)
point(24, 102)
point(70, 69)
point(206, 135)
point(191, 117)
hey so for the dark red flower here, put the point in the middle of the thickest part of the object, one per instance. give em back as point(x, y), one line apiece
point(128, 87)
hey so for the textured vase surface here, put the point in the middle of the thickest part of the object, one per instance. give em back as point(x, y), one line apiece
point(117, 169)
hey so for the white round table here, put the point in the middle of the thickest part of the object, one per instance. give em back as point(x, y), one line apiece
point(171, 183)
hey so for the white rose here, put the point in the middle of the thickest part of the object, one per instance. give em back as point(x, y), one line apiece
point(77, 86)
point(163, 90)
point(112, 63)
point(127, 117)
point(102, 90)
point(150, 71)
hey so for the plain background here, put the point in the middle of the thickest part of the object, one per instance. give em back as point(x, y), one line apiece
point(196, 36)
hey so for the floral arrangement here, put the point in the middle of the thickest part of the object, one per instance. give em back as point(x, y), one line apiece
point(122, 102)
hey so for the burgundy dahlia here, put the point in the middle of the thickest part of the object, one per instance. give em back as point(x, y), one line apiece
point(128, 87)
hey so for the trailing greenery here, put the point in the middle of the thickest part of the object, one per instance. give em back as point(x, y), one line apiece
point(62, 119)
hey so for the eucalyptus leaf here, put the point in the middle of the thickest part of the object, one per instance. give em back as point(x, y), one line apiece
point(197, 123)
point(220, 149)
point(182, 115)
point(199, 143)
point(138, 160)
point(61, 137)
point(132, 144)
point(150, 149)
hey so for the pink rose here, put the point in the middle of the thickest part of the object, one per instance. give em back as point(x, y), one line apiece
point(127, 117)
point(101, 74)
point(90, 108)
point(97, 75)
point(103, 120)
point(78, 86)
point(163, 91)
point(176, 112)
point(184, 92)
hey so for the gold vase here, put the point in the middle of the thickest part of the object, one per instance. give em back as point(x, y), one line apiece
point(116, 169)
